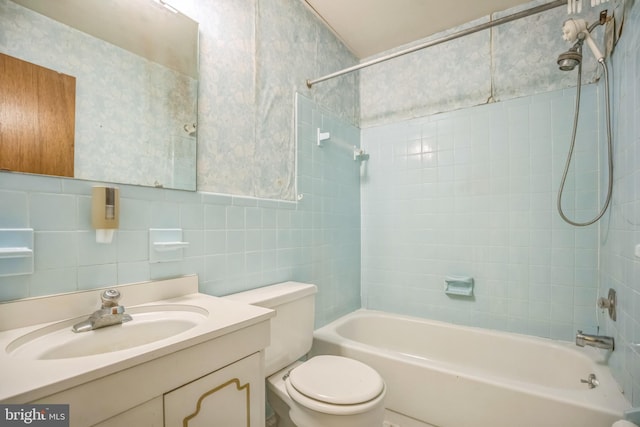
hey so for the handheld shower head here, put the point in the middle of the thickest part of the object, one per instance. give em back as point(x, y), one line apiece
point(577, 29)
point(570, 59)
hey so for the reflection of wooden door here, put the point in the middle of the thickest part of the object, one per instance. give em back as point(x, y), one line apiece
point(37, 118)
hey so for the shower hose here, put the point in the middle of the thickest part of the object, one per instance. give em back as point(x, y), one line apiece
point(573, 143)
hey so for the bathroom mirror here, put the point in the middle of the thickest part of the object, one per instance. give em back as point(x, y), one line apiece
point(136, 73)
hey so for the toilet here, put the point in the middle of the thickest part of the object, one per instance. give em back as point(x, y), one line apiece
point(324, 391)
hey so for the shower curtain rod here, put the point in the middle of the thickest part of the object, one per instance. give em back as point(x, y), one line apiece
point(480, 27)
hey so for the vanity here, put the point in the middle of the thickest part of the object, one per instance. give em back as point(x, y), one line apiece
point(185, 358)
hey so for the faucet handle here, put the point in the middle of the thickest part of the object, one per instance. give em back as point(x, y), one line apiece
point(591, 381)
point(110, 298)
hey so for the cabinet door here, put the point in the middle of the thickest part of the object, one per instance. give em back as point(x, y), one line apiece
point(230, 397)
point(148, 414)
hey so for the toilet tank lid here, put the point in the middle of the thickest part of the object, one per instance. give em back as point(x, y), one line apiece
point(275, 295)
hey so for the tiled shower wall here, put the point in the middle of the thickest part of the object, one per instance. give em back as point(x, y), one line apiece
point(472, 193)
point(329, 185)
point(620, 231)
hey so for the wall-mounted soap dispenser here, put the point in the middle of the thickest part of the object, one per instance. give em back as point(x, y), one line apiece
point(105, 212)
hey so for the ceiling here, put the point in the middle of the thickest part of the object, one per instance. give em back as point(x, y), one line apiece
point(368, 27)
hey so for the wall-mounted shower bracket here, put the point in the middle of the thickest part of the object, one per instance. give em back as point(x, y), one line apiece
point(322, 136)
point(609, 303)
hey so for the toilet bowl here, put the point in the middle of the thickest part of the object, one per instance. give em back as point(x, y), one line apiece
point(327, 391)
point(324, 391)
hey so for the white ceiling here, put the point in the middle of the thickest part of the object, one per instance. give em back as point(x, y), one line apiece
point(369, 27)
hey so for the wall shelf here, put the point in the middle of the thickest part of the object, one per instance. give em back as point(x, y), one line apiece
point(169, 246)
point(166, 245)
point(16, 251)
point(21, 252)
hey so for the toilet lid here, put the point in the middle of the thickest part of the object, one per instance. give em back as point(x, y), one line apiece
point(336, 380)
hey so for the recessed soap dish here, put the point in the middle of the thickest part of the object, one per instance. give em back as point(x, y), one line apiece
point(460, 286)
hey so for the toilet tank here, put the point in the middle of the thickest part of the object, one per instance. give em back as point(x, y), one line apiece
point(292, 327)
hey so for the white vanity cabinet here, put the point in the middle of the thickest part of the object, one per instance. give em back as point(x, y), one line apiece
point(230, 397)
point(149, 414)
point(224, 377)
point(210, 374)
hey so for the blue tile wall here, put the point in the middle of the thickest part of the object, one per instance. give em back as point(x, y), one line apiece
point(473, 192)
point(329, 184)
point(620, 231)
point(235, 243)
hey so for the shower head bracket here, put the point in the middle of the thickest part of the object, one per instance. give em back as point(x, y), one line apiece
point(578, 29)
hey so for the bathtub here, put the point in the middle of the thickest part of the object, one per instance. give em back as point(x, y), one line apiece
point(447, 375)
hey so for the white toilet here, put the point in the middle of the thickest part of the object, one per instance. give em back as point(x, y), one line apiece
point(324, 391)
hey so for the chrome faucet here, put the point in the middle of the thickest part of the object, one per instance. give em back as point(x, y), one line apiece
point(598, 341)
point(111, 313)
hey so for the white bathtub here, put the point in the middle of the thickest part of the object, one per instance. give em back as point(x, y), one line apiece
point(454, 376)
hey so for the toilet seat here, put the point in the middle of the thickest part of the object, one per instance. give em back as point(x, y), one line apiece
point(335, 385)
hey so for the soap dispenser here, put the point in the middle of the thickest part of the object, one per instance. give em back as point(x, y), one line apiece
point(105, 212)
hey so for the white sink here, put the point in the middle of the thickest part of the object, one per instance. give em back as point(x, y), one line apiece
point(149, 324)
point(40, 355)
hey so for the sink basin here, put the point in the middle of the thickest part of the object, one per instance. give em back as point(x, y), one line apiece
point(150, 324)
point(40, 356)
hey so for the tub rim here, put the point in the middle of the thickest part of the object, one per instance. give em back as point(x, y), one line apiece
point(608, 396)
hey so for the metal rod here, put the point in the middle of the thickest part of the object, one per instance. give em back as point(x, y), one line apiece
point(480, 27)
